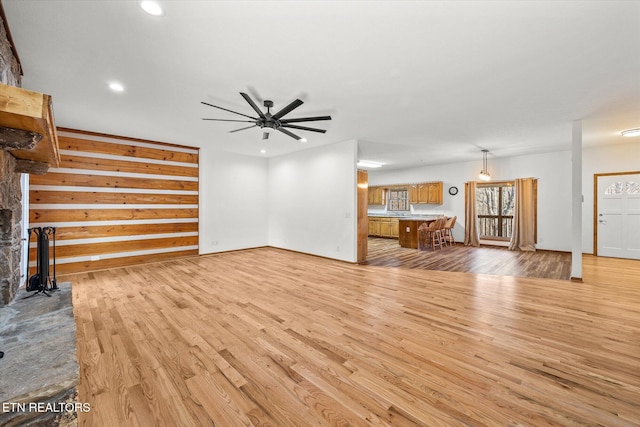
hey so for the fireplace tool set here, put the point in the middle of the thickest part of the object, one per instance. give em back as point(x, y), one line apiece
point(41, 281)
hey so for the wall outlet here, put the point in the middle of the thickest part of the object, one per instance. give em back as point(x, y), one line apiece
point(95, 257)
point(214, 243)
point(337, 248)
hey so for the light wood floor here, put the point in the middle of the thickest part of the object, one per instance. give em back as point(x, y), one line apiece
point(271, 337)
point(466, 259)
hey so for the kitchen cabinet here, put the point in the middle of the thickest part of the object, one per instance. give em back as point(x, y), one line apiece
point(374, 227)
point(377, 196)
point(434, 193)
point(413, 193)
point(427, 192)
point(387, 229)
point(383, 227)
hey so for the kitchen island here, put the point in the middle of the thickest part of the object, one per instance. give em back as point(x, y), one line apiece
point(408, 235)
point(404, 228)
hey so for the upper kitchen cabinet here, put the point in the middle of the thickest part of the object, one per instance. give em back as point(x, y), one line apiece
point(434, 193)
point(428, 192)
point(377, 195)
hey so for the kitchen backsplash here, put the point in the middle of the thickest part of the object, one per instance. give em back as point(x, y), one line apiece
point(416, 209)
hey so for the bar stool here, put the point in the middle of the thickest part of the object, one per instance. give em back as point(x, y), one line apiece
point(448, 235)
point(431, 232)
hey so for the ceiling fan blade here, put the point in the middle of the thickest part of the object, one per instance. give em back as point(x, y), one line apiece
point(231, 111)
point(253, 104)
point(254, 93)
point(306, 119)
point(303, 128)
point(227, 120)
point(237, 130)
point(287, 109)
point(291, 134)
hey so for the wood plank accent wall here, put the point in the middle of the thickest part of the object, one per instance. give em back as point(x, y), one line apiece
point(116, 201)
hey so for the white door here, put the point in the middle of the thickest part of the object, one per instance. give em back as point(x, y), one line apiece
point(619, 216)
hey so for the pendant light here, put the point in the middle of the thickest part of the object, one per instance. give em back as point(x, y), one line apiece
point(484, 173)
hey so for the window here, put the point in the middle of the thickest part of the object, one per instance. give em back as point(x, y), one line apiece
point(494, 207)
point(620, 187)
point(398, 200)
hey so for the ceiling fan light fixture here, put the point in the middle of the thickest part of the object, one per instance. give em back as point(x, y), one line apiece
point(631, 132)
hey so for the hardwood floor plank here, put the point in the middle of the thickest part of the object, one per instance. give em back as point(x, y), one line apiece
point(142, 409)
point(485, 259)
point(276, 338)
point(214, 399)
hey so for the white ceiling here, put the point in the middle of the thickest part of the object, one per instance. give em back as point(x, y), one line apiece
point(418, 82)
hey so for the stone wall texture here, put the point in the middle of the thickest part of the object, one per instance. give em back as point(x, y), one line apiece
point(10, 228)
point(10, 191)
point(9, 66)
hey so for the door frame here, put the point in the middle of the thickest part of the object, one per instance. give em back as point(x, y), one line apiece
point(595, 204)
point(362, 226)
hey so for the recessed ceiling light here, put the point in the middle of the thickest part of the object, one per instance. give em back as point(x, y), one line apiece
point(151, 7)
point(303, 139)
point(263, 151)
point(116, 87)
point(631, 132)
point(369, 164)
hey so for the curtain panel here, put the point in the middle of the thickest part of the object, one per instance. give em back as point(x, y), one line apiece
point(523, 237)
point(470, 217)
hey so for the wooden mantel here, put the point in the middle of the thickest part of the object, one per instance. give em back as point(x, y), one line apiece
point(24, 111)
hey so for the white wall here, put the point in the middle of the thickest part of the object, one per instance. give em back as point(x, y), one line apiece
point(312, 201)
point(553, 171)
point(233, 201)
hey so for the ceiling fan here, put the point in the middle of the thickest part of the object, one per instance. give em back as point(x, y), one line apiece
point(271, 122)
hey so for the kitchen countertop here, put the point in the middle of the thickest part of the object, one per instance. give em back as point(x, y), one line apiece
point(418, 218)
point(407, 217)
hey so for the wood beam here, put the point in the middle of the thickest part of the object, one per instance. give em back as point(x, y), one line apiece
point(30, 111)
point(31, 167)
point(18, 139)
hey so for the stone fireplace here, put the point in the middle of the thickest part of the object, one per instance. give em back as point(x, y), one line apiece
point(10, 228)
point(10, 191)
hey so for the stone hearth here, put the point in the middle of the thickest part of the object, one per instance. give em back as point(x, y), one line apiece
point(39, 372)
